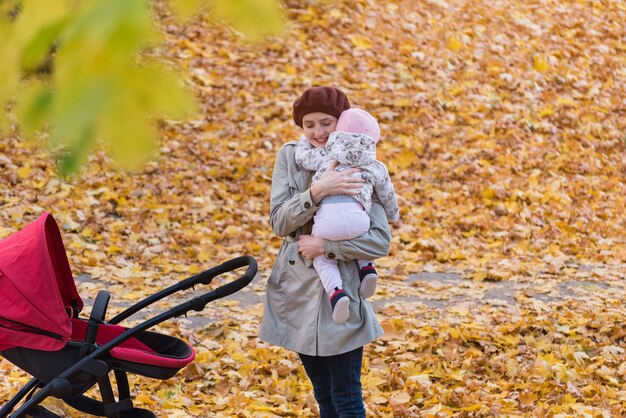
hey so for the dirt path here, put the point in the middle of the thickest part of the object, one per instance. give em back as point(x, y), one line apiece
point(431, 290)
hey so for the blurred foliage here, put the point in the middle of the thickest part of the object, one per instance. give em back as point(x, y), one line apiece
point(252, 18)
point(83, 72)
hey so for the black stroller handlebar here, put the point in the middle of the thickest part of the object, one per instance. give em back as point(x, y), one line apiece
point(204, 278)
point(198, 303)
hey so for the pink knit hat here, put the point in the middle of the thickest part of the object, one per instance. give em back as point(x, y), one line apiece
point(360, 122)
point(329, 100)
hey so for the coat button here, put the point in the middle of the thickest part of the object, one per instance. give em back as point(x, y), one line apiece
point(331, 255)
point(307, 205)
point(292, 262)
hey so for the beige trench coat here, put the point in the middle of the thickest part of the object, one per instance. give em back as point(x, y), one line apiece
point(297, 312)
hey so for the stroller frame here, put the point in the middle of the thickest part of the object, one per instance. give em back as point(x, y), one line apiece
point(95, 360)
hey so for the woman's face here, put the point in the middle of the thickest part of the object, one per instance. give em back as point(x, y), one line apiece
point(317, 126)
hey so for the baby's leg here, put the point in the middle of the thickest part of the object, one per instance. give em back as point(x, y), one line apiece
point(340, 221)
point(329, 273)
point(331, 280)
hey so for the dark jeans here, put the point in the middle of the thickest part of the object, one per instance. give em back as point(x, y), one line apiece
point(337, 383)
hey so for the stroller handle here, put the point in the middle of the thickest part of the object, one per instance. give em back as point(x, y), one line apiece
point(198, 303)
point(204, 278)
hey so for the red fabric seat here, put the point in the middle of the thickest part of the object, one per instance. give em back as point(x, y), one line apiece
point(136, 351)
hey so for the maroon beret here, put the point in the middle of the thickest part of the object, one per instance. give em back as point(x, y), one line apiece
point(327, 100)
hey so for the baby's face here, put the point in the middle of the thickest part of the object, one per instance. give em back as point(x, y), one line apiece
point(317, 126)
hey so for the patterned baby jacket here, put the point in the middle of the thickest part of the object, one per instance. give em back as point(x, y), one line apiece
point(352, 150)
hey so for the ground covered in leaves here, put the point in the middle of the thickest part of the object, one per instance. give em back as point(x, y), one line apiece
point(503, 126)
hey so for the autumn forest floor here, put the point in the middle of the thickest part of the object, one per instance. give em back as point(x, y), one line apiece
point(503, 127)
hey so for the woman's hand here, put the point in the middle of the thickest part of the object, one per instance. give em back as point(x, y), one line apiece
point(336, 182)
point(310, 246)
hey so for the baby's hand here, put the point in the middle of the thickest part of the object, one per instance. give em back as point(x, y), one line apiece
point(395, 223)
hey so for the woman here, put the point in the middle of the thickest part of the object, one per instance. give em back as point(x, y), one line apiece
point(297, 311)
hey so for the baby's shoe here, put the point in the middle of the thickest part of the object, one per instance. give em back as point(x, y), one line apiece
point(340, 304)
point(369, 280)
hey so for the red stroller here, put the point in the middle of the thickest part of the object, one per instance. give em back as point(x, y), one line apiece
point(41, 332)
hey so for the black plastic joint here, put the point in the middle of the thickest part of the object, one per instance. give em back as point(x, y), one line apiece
point(197, 304)
point(97, 368)
point(60, 387)
point(117, 407)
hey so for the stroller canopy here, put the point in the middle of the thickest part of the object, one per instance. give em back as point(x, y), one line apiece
point(37, 292)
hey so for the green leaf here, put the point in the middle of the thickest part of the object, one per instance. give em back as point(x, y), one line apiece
point(254, 18)
point(38, 49)
point(98, 90)
point(171, 98)
point(187, 8)
point(128, 132)
point(30, 25)
point(99, 99)
point(9, 71)
point(75, 111)
point(104, 39)
point(34, 104)
point(71, 159)
point(36, 25)
point(126, 124)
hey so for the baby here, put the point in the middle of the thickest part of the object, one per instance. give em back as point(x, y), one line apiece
point(343, 217)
